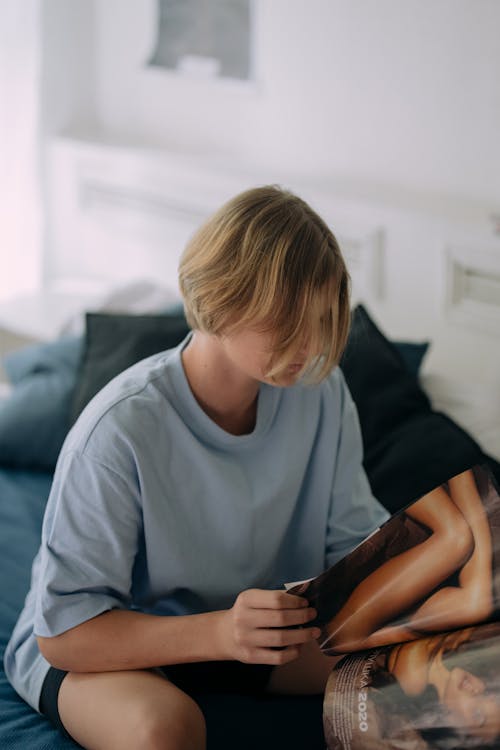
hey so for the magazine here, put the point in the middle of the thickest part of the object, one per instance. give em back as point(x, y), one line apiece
point(411, 616)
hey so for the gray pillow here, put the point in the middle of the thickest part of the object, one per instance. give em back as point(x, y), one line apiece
point(115, 342)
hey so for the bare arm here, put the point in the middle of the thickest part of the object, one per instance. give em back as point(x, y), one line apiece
point(123, 639)
point(404, 580)
point(472, 600)
point(250, 631)
point(476, 574)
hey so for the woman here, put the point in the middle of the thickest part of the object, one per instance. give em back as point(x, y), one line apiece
point(193, 487)
point(441, 693)
point(444, 581)
point(447, 663)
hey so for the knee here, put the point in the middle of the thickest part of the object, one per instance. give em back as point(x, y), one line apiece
point(185, 730)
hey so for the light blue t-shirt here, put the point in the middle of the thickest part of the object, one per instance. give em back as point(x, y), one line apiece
point(154, 507)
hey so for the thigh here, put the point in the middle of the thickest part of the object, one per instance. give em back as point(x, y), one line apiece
point(306, 675)
point(129, 709)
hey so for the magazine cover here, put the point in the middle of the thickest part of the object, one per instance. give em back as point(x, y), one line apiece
point(412, 615)
point(433, 567)
point(440, 692)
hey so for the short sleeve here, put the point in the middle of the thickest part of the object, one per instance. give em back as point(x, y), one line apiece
point(354, 511)
point(89, 544)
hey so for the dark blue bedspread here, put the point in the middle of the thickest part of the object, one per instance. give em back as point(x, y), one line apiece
point(232, 721)
point(22, 500)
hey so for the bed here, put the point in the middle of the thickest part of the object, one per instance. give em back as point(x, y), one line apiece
point(419, 426)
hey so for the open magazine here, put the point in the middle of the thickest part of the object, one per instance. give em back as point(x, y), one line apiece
point(411, 616)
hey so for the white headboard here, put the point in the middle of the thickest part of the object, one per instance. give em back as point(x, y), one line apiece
point(118, 214)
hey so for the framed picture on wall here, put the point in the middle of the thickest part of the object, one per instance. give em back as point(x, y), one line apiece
point(205, 38)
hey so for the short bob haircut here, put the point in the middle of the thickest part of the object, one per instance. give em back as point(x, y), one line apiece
point(266, 260)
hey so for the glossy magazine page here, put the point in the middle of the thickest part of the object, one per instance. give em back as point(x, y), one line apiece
point(441, 691)
point(431, 568)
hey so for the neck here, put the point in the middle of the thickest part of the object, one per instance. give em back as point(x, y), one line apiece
point(225, 394)
point(409, 663)
point(439, 676)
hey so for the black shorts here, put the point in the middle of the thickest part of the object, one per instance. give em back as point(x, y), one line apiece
point(197, 678)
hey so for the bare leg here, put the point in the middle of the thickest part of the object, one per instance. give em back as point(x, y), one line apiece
point(130, 709)
point(306, 675)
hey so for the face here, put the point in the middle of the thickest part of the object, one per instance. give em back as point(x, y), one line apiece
point(251, 352)
point(470, 705)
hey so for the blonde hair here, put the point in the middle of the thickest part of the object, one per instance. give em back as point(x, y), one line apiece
point(267, 260)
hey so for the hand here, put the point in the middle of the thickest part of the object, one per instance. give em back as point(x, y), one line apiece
point(255, 630)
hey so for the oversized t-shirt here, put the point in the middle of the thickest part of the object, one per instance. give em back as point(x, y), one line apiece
point(156, 508)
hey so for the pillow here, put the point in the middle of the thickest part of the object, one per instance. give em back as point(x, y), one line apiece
point(412, 354)
point(409, 448)
point(61, 355)
point(476, 409)
point(34, 418)
point(398, 425)
point(48, 380)
point(115, 342)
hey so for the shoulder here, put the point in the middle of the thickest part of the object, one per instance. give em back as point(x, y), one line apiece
point(324, 403)
point(331, 393)
point(335, 385)
point(127, 406)
point(337, 410)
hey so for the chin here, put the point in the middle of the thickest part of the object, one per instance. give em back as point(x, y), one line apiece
point(286, 380)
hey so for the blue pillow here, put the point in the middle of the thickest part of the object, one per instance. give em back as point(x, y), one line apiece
point(34, 418)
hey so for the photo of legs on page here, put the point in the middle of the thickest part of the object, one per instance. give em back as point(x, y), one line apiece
point(436, 693)
point(432, 568)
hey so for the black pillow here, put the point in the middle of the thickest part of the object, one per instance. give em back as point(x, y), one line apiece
point(409, 448)
point(115, 342)
point(412, 353)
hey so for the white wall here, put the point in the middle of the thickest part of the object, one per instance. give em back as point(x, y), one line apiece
point(383, 92)
point(382, 98)
point(20, 241)
point(68, 67)
point(387, 100)
point(47, 84)
point(68, 77)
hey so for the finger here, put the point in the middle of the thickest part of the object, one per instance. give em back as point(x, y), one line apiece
point(279, 618)
point(279, 638)
point(263, 599)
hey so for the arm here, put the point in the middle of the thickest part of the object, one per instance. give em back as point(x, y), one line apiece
point(476, 574)
point(404, 580)
point(83, 619)
point(472, 600)
point(122, 639)
point(254, 630)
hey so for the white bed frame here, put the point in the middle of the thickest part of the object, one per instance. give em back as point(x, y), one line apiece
point(118, 214)
point(425, 269)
